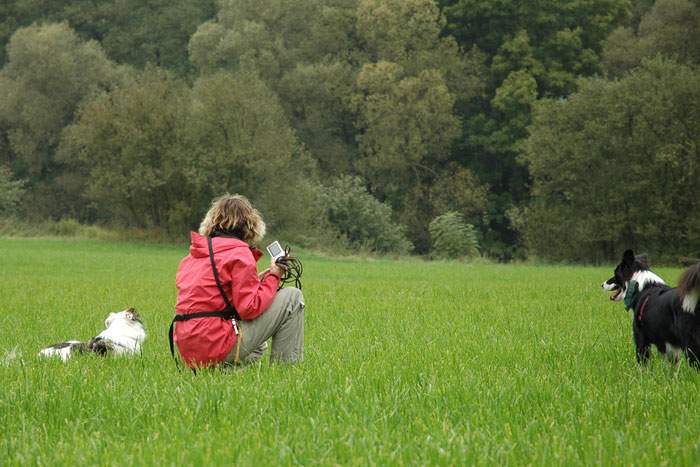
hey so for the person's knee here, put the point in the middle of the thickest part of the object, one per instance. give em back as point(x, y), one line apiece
point(294, 295)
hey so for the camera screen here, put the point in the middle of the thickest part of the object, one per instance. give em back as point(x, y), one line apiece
point(274, 249)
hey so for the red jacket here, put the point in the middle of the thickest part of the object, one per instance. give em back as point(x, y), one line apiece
point(205, 341)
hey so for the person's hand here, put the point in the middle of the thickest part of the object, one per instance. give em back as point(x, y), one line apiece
point(261, 274)
point(276, 268)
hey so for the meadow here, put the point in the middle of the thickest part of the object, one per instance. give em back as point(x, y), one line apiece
point(407, 362)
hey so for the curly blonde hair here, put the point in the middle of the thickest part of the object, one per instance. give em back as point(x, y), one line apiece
point(233, 214)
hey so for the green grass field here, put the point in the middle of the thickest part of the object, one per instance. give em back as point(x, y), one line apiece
point(407, 362)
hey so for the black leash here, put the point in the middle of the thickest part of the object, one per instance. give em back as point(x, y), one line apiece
point(230, 313)
point(293, 270)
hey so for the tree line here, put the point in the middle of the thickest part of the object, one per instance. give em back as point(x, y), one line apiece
point(561, 130)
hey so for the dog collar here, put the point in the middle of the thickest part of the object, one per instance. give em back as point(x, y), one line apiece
point(631, 295)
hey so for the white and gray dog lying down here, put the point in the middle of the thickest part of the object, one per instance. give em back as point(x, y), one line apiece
point(124, 335)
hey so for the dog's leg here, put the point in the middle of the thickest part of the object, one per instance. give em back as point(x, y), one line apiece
point(689, 335)
point(643, 347)
point(692, 353)
point(643, 354)
point(100, 346)
point(672, 353)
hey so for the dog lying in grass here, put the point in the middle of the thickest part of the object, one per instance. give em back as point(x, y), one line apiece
point(662, 316)
point(124, 335)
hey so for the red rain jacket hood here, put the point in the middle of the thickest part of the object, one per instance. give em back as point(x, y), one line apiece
point(205, 341)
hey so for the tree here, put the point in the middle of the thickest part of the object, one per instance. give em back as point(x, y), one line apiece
point(135, 32)
point(615, 165)
point(155, 31)
point(405, 104)
point(370, 86)
point(242, 142)
point(8, 25)
point(406, 123)
point(272, 36)
point(129, 142)
point(407, 128)
point(316, 99)
point(457, 189)
point(562, 39)
point(11, 192)
point(670, 28)
point(157, 151)
point(409, 34)
point(306, 52)
point(359, 219)
point(532, 50)
point(49, 73)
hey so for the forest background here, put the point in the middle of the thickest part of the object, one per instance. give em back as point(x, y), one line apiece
point(551, 129)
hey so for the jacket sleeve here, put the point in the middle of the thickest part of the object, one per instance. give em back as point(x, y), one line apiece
point(251, 296)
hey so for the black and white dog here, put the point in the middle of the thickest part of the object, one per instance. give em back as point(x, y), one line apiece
point(124, 335)
point(663, 316)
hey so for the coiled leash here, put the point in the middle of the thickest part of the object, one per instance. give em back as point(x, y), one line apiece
point(293, 270)
point(229, 313)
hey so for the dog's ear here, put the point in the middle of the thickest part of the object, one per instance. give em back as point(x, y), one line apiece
point(628, 257)
point(134, 315)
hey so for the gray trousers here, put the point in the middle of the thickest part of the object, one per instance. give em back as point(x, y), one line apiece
point(283, 321)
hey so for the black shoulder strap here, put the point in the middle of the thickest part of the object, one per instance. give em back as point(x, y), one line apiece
point(229, 306)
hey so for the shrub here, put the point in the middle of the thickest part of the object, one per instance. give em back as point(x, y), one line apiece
point(65, 227)
point(452, 237)
point(356, 216)
point(11, 192)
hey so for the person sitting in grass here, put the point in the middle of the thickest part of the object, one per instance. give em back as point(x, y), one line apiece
point(229, 318)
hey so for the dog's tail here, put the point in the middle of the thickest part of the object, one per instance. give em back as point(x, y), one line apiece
point(689, 288)
point(64, 350)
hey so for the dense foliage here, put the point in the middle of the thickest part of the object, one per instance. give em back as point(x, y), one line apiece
point(10, 191)
point(353, 215)
point(532, 49)
point(670, 28)
point(155, 151)
point(600, 159)
point(135, 32)
point(137, 112)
